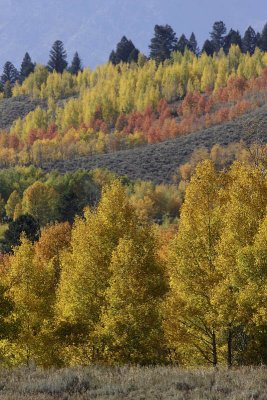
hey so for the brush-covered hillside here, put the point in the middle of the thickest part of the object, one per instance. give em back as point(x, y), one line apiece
point(141, 119)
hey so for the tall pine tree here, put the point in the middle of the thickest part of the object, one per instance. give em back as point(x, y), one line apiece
point(76, 64)
point(27, 67)
point(217, 35)
point(163, 43)
point(58, 57)
point(125, 52)
point(182, 44)
point(208, 48)
point(233, 37)
point(249, 41)
point(263, 39)
point(192, 44)
point(10, 73)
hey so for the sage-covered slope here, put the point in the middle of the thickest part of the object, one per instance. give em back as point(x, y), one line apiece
point(17, 107)
point(158, 162)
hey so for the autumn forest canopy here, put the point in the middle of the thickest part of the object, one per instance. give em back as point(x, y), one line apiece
point(98, 268)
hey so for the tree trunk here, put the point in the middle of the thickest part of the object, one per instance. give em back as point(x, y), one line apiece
point(230, 349)
point(214, 350)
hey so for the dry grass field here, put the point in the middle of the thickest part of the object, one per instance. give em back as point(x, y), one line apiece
point(133, 383)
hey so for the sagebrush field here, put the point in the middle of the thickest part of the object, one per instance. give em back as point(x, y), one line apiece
point(134, 383)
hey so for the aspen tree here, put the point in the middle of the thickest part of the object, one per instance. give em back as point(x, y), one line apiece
point(131, 324)
point(190, 319)
point(246, 194)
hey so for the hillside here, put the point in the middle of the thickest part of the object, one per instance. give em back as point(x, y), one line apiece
point(158, 162)
point(17, 107)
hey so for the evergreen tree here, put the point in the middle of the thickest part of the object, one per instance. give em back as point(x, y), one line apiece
point(263, 40)
point(125, 52)
point(233, 37)
point(27, 67)
point(133, 57)
point(76, 64)
point(249, 41)
point(208, 48)
point(58, 58)
point(7, 90)
point(10, 73)
point(192, 44)
point(163, 43)
point(258, 40)
point(113, 58)
point(182, 44)
point(217, 35)
point(24, 224)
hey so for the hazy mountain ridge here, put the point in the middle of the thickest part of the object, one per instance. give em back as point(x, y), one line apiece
point(91, 29)
point(94, 27)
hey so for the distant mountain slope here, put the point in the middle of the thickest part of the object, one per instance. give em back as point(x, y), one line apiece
point(93, 27)
point(158, 162)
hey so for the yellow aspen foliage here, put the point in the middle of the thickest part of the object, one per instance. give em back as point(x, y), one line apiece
point(28, 285)
point(13, 200)
point(251, 265)
point(130, 328)
point(208, 78)
point(246, 195)
point(190, 320)
point(85, 267)
point(53, 240)
point(222, 74)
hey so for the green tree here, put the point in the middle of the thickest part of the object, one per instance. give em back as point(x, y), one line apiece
point(182, 44)
point(263, 39)
point(41, 201)
point(11, 204)
point(76, 64)
point(10, 74)
point(208, 48)
point(7, 89)
point(249, 41)
point(24, 224)
point(125, 52)
point(163, 43)
point(27, 67)
point(233, 37)
point(218, 34)
point(58, 57)
point(192, 44)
